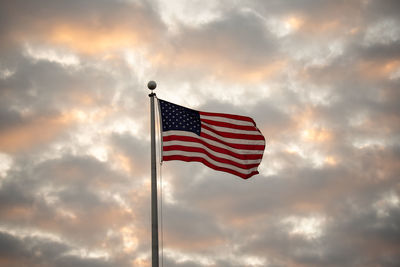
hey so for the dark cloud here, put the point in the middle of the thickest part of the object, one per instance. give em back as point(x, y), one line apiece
point(239, 37)
point(379, 9)
point(10, 246)
point(76, 261)
point(35, 251)
point(66, 198)
point(189, 230)
point(8, 117)
point(188, 263)
point(48, 85)
point(136, 151)
point(340, 244)
point(379, 52)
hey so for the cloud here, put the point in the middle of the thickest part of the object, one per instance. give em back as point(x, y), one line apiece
point(320, 80)
point(81, 26)
point(22, 137)
point(42, 252)
point(234, 46)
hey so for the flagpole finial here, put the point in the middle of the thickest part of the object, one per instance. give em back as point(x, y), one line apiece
point(152, 85)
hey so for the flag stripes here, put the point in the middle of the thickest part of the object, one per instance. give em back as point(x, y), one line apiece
point(226, 142)
point(237, 153)
point(196, 147)
point(205, 162)
point(244, 138)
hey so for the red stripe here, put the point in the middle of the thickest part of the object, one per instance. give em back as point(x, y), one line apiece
point(229, 125)
point(229, 116)
point(234, 135)
point(239, 146)
point(212, 156)
point(205, 162)
point(219, 149)
point(212, 147)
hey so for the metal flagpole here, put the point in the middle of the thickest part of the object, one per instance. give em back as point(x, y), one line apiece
point(154, 212)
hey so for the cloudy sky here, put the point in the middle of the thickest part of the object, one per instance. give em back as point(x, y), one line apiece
point(320, 78)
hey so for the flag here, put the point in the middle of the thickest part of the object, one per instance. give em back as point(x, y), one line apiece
point(223, 142)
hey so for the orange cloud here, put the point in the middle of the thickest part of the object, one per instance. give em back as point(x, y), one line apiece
point(333, 18)
point(181, 242)
point(82, 98)
point(87, 29)
point(16, 212)
point(262, 72)
point(373, 70)
point(124, 162)
point(34, 132)
point(331, 160)
point(141, 262)
point(295, 22)
point(221, 65)
point(322, 26)
point(309, 127)
point(317, 134)
point(94, 41)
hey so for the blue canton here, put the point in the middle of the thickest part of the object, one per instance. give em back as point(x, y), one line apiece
point(175, 117)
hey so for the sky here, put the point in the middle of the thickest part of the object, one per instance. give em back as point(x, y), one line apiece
point(320, 78)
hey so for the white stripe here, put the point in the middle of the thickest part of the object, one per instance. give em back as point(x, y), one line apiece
point(214, 143)
point(234, 140)
point(222, 119)
point(230, 130)
point(218, 154)
point(216, 163)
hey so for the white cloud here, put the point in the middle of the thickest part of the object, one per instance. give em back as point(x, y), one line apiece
point(180, 257)
point(5, 73)
point(388, 200)
point(385, 31)
point(6, 162)
point(192, 13)
point(51, 54)
point(310, 227)
point(283, 26)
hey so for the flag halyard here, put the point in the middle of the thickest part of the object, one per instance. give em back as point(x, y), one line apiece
point(223, 142)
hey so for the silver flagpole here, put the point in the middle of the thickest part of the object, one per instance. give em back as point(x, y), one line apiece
point(154, 212)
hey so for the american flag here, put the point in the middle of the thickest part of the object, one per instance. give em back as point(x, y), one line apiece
point(224, 142)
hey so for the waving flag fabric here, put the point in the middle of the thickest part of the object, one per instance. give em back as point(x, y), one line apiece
point(224, 142)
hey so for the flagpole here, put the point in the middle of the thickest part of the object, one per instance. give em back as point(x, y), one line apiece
point(154, 212)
